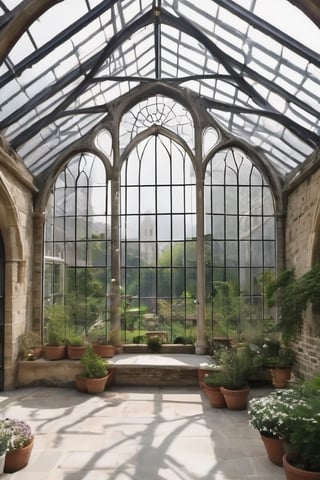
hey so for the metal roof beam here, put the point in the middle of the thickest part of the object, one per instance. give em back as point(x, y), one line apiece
point(58, 40)
point(271, 31)
point(112, 45)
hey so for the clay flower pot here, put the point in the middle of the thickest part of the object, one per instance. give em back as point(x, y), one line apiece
point(280, 377)
point(103, 349)
point(236, 399)
point(215, 396)
point(18, 458)
point(274, 448)
point(294, 473)
point(75, 352)
point(96, 385)
point(54, 352)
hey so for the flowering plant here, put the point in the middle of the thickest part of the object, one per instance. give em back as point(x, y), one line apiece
point(17, 432)
point(270, 414)
point(293, 415)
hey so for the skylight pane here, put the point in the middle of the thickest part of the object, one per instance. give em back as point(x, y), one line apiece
point(47, 26)
point(300, 27)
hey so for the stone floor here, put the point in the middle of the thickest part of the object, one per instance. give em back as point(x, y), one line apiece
point(136, 433)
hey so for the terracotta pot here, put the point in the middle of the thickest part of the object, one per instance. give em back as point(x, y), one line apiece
point(18, 459)
point(294, 473)
point(96, 385)
point(54, 352)
point(80, 383)
point(274, 448)
point(280, 377)
point(215, 396)
point(75, 352)
point(236, 399)
point(104, 350)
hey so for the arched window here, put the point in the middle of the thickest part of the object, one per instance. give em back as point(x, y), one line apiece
point(239, 244)
point(77, 245)
point(158, 238)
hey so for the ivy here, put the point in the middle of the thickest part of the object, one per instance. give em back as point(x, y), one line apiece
point(292, 295)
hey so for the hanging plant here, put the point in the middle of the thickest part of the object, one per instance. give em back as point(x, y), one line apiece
point(292, 295)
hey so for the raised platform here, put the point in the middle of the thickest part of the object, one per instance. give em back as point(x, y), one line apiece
point(130, 369)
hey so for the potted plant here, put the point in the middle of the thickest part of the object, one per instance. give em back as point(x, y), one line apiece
point(237, 364)
point(104, 347)
point(302, 434)
point(212, 383)
point(30, 346)
point(294, 416)
point(76, 346)
point(95, 370)
point(20, 444)
point(268, 415)
point(203, 370)
point(281, 366)
point(56, 324)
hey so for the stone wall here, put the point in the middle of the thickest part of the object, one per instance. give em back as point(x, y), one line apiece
point(303, 251)
point(16, 193)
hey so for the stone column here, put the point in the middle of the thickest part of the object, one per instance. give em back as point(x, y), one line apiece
point(37, 274)
point(201, 343)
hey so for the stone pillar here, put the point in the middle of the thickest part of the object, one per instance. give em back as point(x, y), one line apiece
point(201, 343)
point(115, 293)
point(37, 274)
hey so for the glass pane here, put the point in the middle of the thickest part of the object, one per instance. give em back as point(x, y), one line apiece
point(218, 226)
point(269, 228)
point(164, 227)
point(148, 253)
point(163, 199)
point(164, 254)
point(178, 230)
point(231, 200)
point(97, 201)
point(231, 227)
point(147, 200)
point(231, 254)
point(256, 228)
point(256, 254)
point(59, 229)
point(245, 250)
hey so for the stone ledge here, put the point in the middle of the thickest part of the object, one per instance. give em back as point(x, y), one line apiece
point(130, 369)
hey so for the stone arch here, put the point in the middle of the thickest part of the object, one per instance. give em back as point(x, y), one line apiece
point(9, 225)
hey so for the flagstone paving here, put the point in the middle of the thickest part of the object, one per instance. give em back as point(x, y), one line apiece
point(136, 433)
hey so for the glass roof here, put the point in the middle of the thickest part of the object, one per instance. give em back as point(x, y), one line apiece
point(255, 63)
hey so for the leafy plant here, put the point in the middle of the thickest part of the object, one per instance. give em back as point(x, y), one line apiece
point(213, 379)
point(76, 340)
point(57, 319)
point(154, 344)
point(237, 365)
point(293, 294)
point(285, 358)
point(94, 365)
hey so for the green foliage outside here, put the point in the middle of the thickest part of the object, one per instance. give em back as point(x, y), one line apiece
point(228, 312)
